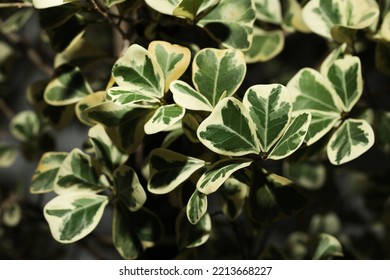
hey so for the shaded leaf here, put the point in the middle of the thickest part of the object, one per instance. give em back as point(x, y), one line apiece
point(196, 207)
point(87, 102)
point(8, 155)
point(327, 248)
point(124, 96)
point(268, 11)
point(233, 197)
point(25, 126)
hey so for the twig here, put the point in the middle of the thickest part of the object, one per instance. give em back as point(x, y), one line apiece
point(6, 110)
point(16, 5)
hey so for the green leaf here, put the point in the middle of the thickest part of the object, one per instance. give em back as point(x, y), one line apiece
point(346, 77)
point(270, 109)
point(219, 172)
point(173, 59)
point(336, 53)
point(25, 126)
point(327, 247)
point(67, 86)
point(229, 130)
point(43, 179)
point(218, 73)
point(43, 4)
point(265, 45)
point(187, 97)
point(163, 118)
point(73, 216)
point(293, 138)
point(77, 172)
point(233, 197)
point(169, 169)
point(139, 71)
point(8, 155)
point(352, 139)
point(124, 96)
point(321, 124)
point(11, 214)
point(196, 207)
point(191, 8)
point(231, 23)
point(307, 174)
point(163, 6)
point(87, 102)
point(268, 11)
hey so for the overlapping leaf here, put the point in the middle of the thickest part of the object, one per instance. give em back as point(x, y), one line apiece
point(87, 102)
point(187, 97)
point(269, 11)
point(163, 118)
point(265, 45)
point(233, 197)
point(196, 207)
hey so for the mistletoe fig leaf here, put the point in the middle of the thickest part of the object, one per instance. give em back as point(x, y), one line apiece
point(87, 102)
point(346, 77)
point(125, 95)
point(293, 138)
point(385, 27)
point(192, 8)
point(46, 172)
point(173, 60)
point(229, 130)
point(187, 97)
point(128, 188)
point(44, 4)
point(25, 126)
point(233, 197)
point(310, 175)
point(269, 11)
point(321, 123)
point(8, 155)
point(352, 139)
point(169, 169)
point(67, 86)
point(231, 23)
point(265, 45)
point(196, 207)
point(219, 172)
point(327, 247)
point(270, 108)
point(218, 73)
point(74, 215)
point(139, 71)
point(163, 118)
point(163, 6)
point(190, 125)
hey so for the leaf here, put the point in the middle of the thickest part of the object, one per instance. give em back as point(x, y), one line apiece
point(87, 102)
point(189, 235)
point(73, 216)
point(233, 197)
point(191, 8)
point(67, 86)
point(44, 176)
point(77, 172)
point(187, 97)
point(11, 214)
point(327, 247)
point(219, 172)
point(169, 169)
point(8, 155)
point(293, 138)
point(25, 126)
point(307, 174)
point(124, 96)
point(352, 139)
point(139, 71)
point(292, 17)
point(385, 27)
point(196, 207)
point(128, 188)
point(229, 130)
point(190, 125)
point(218, 73)
point(346, 77)
point(43, 4)
point(336, 53)
point(231, 23)
point(163, 6)
point(321, 124)
point(268, 11)
point(163, 118)
point(173, 59)
point(381, 128)
point(265, 45)
point(16, 21)
point(270, 109)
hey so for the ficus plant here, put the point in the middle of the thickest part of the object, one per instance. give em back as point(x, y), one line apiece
point(185, 146)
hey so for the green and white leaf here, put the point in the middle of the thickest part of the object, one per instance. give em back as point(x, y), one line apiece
point(68, 86)
point(169, 169)
point(336, 53)
point(45, 174)
point(25, 126)
point(139, 71)
point(163, 118)
point(321, 123)
point(125, 95)
point(346, 77)
point(233, 197)
point(229, 130)
point(293, 138)
point(192, 8)
point(385, 27)
point(231, 23)
point(327, 248)
point(11, 214)
point(87, 102)
point(128, 188)
point(8, 155)
point(270, 108)
point(216, 175)
point(268, 11)
point(292, 17)
point(352, 139)
point(187, 97)
point(265, 45)
point(310, 175)
point(43, 4)
point(218, 73)
point(196, 207)
point(74, 215)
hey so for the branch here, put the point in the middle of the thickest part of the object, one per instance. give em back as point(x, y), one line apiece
point(16, 5)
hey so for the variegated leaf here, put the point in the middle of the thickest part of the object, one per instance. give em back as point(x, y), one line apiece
point(269, 11)
point(187, 97)
point(173, 59)
point(196, 207)
point(381, 128)
point(125, 95)
point(218, 73)
point(336, 53)
point(77, 173)
point(169, 169)
point(308, 174)
point(293, 138)
point(110, 3)
point(11, 214)
point(219, 172)
point(25, 126)
point(321, 124)
point(190, 125)
point(46, 172)
point(139, 71)
point(265, 45)
point(327, 248)
point(385, 27)
point(231, 23)
point(43, 4)
point(68, 86)
point(346, 77)
point(128, 188)
point(292, 17)
point(229, 130)
point(74, 215)
point(352, 139)
point(87, 102)
point(233, 197)
point(8, 155)
point(191, 8)
point(163, 118)
point(270, 109)
point(163, 6)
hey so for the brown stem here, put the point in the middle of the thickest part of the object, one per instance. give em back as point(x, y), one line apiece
point(16, 5)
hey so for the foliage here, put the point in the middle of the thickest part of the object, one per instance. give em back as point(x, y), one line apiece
point(181, 134)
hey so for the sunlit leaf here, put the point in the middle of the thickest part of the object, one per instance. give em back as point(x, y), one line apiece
point(163, 118)
point(187, 97)
point(308, 174)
